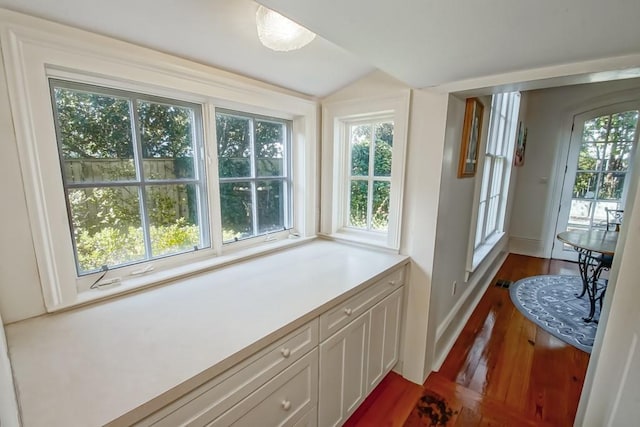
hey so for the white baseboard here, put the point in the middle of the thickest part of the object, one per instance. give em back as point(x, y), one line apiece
point(456, 320)
point(526, 246)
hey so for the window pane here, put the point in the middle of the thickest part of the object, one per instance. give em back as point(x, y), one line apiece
point(360, 145)
point(611, 186)
point(234, 145)
point(383, 149)
point(95, 136)
point(480, 224)
point(596, 129)
point(173, 218)
point(236, 210)
point(618, 154)
point(623, 126)
point(497, 177)
point(492, 215)
point(580, 213)
point(380, 214)
point(106, 226)
point(585, 185)
point(166, 133)
point(358, 204)
point(591, 156)
point(270, 205)
point(600, 214)
point(270, 143)
point(484, 188)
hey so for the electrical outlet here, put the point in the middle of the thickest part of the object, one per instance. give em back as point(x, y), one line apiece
point(453, 288)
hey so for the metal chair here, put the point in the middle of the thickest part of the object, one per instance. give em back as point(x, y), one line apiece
point(614, 218)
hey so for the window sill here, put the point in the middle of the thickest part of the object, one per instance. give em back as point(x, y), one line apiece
point(367, 239)
point(480, 253)
point(175, 274)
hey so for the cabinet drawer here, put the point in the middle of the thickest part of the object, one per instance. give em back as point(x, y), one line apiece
point(284, 401)
point(310, 419)
point(333, 320)
point(210, 400)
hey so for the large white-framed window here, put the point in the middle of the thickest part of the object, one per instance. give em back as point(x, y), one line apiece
point(182, 192)
point(254, 174)
point(364, 143)
point(496, 173)
point(133, 175)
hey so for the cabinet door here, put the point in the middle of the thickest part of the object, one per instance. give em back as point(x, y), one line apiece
point(343, 363)
point(384, 338)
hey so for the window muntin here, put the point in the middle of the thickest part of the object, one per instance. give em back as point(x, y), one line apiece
point(497, 167)
point(133, 175)
point(369, 181)
point(255, 174)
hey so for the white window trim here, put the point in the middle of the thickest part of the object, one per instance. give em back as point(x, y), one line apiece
point(35, 50)
point(335, 169)
point(476, 255)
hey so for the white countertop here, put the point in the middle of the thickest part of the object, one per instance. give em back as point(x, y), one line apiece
point(96, 364)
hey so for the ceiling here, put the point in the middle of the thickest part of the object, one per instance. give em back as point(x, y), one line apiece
point(420, 42)
point(432, 42)
point(221, 33)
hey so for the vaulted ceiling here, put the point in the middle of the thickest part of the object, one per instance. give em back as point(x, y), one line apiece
point(420, 42)
point(221, 33)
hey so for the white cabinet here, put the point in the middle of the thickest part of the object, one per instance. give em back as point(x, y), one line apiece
point(317, 375)
point(286, 400)
point(384, 338)
point(339, 316)
point(354, 359)
point(209, 401)
point(343, 364)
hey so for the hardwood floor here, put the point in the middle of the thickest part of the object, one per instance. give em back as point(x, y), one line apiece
point(502, 370)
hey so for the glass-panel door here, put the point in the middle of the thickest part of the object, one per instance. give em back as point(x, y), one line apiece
point(598, 169)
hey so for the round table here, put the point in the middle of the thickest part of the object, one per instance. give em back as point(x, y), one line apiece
point(595, 251)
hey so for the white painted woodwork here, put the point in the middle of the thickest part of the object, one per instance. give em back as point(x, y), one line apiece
point(35, 50)
point(283, 401)
point(610, 395)
point(209, 401)
point(124, 359)
point(392, 100)
point(343, 365)
point(558, 250)
point(336, 318)
point(384, 338)
point(310, 419)
point(9, 414)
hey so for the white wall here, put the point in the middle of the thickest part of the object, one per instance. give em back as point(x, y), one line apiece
point(549, 118)
point(422, 192)
point(9, 416)
point(373, 85)
point(453, 238)
point(20, 292)
point(455, 210)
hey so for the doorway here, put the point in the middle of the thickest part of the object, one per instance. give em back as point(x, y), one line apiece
point(598, 169)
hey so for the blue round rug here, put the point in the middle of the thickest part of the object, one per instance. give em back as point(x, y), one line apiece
point(551, 302)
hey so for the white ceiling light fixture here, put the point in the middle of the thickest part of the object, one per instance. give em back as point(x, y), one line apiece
point(279, 33)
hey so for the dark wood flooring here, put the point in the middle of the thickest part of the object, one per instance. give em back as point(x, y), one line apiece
point(502, 371)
